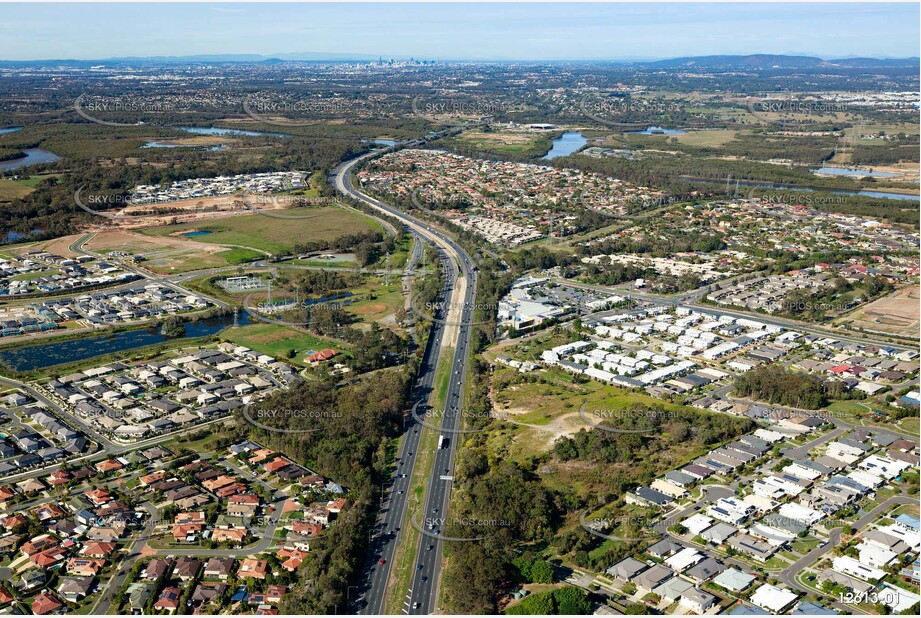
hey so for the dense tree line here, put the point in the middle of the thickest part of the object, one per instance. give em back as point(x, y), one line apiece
point(836, 297)
point(608, 272)
point(778, 385)
point(324, 282)
point(508, 505)
point(649, 422)
point(367, 246)
point(663, 246)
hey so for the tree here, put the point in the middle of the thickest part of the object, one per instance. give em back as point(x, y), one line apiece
point(541, 572)
point(571, 601)
point(173, 327)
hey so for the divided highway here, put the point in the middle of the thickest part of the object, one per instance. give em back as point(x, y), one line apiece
point(453, 318)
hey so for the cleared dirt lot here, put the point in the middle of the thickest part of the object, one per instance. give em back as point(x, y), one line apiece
point(165, 254)
point(899, 313)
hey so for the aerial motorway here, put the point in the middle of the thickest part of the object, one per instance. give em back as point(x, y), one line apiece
point(450, 326)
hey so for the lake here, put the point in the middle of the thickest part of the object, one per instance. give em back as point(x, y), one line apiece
point(231, 132)
point(34, 156)
point(566, 144)
point(42, 355)
point(842, 171)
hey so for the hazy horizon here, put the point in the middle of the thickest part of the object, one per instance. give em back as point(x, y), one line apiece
point(499, 32)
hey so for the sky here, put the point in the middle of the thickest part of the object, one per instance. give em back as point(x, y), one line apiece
point(524, 31)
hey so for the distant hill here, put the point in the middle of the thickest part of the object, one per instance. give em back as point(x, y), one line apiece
point(771, 61)
point(725, 62)
point(200, 59)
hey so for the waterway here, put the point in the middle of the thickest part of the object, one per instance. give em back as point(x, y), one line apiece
point(843, 171)
point(43, 355)
point(230, 132)
point(34, 156)
point(863, 192)
point(566, 144)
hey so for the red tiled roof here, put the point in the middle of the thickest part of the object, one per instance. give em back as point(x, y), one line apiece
point(322, 355)
point(45, 604)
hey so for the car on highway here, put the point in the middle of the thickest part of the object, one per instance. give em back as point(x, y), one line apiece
point(382, 561)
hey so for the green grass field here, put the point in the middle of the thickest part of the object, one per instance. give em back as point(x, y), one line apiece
point(275, 234)
point(911, 425)
point(13, 189)
point(20, 187)
point(276, 340)
point(527, 144)
point(377, 302)
point(35, 275)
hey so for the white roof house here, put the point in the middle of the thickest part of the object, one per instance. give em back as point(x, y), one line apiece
point(773, 598)
point(801, 513)
point(855, 568)
point(684, 559)
point(697, 523)
point(876, 556)
point(734, 580)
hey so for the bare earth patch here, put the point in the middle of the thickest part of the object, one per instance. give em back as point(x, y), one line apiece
point(899, 313)
point(370, 309)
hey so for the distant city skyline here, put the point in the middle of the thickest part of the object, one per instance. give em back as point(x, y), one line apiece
point(525, 31)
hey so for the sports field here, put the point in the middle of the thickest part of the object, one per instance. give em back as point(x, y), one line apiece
point(277, 341)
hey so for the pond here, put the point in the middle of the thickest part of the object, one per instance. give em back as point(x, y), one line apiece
point(42, 355)
point(566, 144)
point(195, 233)
point(380, 142)
point(9, 130)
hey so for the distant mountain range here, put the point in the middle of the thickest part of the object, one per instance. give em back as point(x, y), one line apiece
point(741, 62)
point(769, 61)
